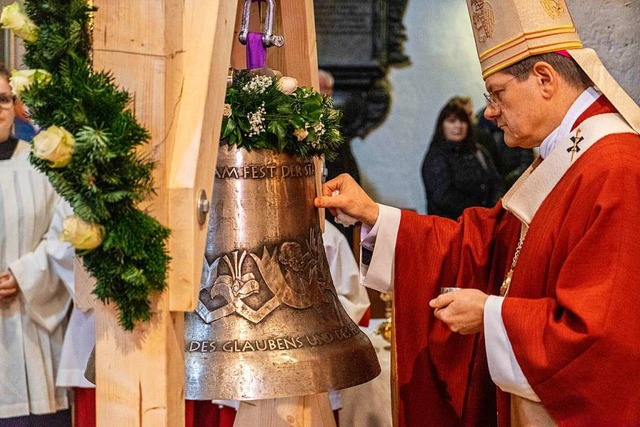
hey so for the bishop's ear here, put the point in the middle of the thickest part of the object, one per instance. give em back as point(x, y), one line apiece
point(546, 77)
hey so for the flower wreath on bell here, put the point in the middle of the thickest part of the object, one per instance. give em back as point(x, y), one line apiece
point(265, 110)
point(87, 149)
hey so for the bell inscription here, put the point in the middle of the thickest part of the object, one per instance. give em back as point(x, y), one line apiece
point(265, 171)
point(280, 343)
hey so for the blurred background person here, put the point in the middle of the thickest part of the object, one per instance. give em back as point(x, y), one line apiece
point(480, 135)
point(510, 162)
point(326, 82)
point(458, 173)
point(33, 300)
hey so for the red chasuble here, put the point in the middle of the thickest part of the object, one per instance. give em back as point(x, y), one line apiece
point(572, 310)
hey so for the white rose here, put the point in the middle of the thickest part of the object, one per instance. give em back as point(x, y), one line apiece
point(55, 145)
point(226, 112)
point(82, 235)
point(287, 85)
point(21, 80)
point(300, 134)
point(14, 18)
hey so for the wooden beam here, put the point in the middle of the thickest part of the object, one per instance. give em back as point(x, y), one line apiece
point(296, 22)
point(305, 411)
point(208, 38)
point(140, 374)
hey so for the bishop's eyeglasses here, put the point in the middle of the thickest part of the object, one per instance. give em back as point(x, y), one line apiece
point(494, 98)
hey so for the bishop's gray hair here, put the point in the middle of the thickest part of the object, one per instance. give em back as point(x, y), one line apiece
point(566, 67)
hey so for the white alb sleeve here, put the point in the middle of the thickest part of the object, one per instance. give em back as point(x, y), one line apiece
point(380, 242)
point(504, 368)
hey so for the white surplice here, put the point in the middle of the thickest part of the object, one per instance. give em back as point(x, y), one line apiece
point(33, 322)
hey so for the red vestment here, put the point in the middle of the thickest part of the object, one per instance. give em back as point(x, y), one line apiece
point(571, 314)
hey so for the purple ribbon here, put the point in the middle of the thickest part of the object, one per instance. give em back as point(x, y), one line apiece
point(256, 52)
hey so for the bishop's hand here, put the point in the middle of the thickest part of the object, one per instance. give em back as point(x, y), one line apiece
point(462, 310)
point(350, 198)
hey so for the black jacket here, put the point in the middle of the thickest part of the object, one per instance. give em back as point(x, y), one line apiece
point(455, 178)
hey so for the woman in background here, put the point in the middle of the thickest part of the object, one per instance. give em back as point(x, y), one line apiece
point(33, 301)
point(457, 173)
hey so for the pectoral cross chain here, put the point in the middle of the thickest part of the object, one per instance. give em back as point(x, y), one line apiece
point(504, 289)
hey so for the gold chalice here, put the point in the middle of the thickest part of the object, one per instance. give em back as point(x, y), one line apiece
point(384, 328)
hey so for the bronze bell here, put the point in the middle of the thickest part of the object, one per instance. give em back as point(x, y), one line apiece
point(269, 323)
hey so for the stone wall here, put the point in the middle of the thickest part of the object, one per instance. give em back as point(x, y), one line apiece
point(444, 63)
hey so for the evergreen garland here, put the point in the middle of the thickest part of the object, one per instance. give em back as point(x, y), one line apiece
point(106, 177)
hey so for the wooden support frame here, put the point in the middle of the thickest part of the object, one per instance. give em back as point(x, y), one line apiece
point(138, 373)
point(173, 56)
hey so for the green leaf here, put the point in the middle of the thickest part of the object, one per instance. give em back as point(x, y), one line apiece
point(297, 122)
point(244, 126)
point(229, 127)
point(312, 110)
point(278, 129)
point(285, 109)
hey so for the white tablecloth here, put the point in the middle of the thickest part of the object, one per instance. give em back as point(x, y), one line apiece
point(369, 404)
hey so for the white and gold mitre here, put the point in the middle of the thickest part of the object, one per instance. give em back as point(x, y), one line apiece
point(508, 31)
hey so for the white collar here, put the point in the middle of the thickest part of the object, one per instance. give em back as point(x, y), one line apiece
point(580, 105)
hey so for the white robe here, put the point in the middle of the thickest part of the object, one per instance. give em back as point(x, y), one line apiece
point(345, 273)
point(33, 323)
